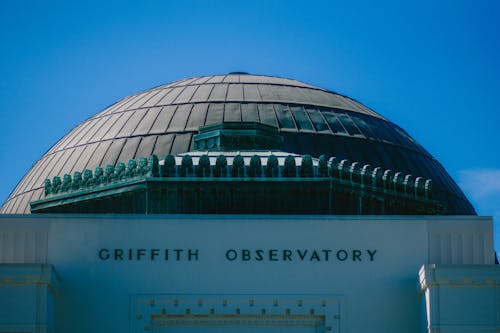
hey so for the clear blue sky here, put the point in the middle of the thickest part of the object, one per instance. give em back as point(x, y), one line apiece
point(432, 67)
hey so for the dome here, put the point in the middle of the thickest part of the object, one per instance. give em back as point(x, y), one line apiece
point(164, 120)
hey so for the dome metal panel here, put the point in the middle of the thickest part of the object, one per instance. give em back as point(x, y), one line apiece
point(164, 119)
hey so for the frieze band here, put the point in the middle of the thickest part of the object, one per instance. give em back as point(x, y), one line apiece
point(235, 255)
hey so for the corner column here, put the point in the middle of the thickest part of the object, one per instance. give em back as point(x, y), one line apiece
point(461, 298)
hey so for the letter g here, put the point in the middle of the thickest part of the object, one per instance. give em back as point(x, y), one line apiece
point(104, 254)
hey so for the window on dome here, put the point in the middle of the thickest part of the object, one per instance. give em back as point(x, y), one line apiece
point(301, 118)
point(284, 117)
point(334, 123)
point(390, 133)
point(349, 124)
point(379, 132)
point(266, 114)
point(363, 126)
point(318, 120)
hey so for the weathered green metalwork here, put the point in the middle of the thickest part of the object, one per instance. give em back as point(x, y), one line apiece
point(168, 167)
point(155, 166)
point(323, 166)
point(255, 168)
point(238, 169)
point(289, 169)
point(238, 136)
point(220, 169)
point(272, 166)
point(186, 168)
point(306, 167)
point(321, 186)
point(203, 167)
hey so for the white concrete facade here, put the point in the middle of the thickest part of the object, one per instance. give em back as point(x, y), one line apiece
point(189, 273)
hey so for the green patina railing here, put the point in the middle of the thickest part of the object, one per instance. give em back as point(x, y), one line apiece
point(355, 173)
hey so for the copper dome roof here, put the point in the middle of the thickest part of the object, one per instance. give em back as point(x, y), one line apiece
point(164, 119)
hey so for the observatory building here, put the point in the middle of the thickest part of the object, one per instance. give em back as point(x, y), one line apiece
point(243, 203)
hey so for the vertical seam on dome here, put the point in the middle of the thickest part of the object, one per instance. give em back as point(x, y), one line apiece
point(161, 94)
point(170, 120)
point(154, 144)
point(137, 148)
point(148, 99)
point(208, 106)
point(310, 120)
point(98, 128)
point(115, 106)
point(293, 117)
point(91, 153)
point(74, 162)
point(192, 95)
point(183, 88)
point(64, 158)
point(187, 118)
point(118, 159)
point(132, 112)
point(154, 120)
point(139, 101)
point(27, 208)
point(276, 116)
point(132, 130)
point(122, 143)
point(33, 181)
point(25, 179)
point(105, 153)
point(89, 124)
point(18, 203)
point(70, 137)
point(99, 162)
point(14, 204)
